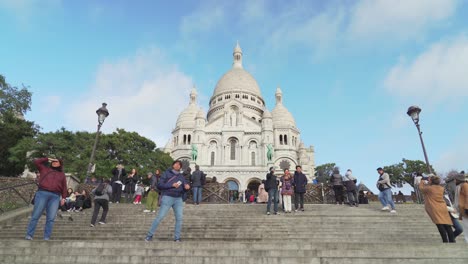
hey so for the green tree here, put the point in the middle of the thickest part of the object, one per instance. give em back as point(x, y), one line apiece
point(323, 172)
point(402, 172)
point(14, 103)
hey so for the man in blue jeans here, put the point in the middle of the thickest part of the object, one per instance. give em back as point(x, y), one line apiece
point(172, 185)
point(271, 186)
point(385, 188)
point(197, 180)
point(51, 193)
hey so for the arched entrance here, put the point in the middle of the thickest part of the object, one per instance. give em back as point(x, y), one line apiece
point(233, 187)
point(253, 185)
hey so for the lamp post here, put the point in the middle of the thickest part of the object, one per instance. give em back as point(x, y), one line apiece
point(102, 114)
point(413, 112)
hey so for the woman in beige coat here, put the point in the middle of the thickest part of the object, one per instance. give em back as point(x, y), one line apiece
point(436, 207)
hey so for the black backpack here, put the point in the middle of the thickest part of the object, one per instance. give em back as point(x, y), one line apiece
point(100, 189)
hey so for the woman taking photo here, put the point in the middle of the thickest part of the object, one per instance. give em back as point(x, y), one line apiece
point(436, 207)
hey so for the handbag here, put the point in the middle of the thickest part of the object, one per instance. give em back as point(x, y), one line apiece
point(40, 181)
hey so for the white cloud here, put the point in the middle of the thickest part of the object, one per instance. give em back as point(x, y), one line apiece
point(204, 19)
point(144, 93)
point(371, 19)
point(438, 74)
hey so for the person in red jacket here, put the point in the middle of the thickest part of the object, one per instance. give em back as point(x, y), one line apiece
point(51, 193)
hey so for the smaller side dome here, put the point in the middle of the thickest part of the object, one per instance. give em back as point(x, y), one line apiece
point(200, 114)
point(267, 114)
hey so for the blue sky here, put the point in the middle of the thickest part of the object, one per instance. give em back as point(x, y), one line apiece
point(348, 69)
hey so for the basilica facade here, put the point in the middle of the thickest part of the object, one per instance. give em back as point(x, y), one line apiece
point(239, 139)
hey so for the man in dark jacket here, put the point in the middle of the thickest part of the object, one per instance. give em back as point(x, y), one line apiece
point(172, 185)
point(271, 186)
point(197, 181)
point(337, 182)
point(52, 186)
point(118, 177)
point(300, 183)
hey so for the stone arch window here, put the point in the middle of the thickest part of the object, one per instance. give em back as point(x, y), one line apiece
point(285, 139)
point(281, 139)
point(185, 139)
point(252, 157)
point(237, 96)
point(189, 139)
point(177, 140)
point(233, 144)
point(212, 158)
point(253, 117)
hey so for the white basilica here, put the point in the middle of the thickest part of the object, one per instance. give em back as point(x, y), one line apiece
point(239, 139)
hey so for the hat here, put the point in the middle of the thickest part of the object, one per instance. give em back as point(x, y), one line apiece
point(272, 168)
point(379, 168)
point(460, 177)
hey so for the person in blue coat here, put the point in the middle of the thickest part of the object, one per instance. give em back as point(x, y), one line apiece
point(172, 186)
point(300, 183)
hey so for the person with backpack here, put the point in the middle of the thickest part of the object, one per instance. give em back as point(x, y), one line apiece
point(118, 177)
point(271, 186)
point(337, 182)
point(102, 194)
point(50, 195)
point(349, 181)
point(172, 185)
point(197, 180)
point(385, 188)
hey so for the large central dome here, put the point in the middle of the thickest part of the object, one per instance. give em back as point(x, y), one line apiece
point(237, 79)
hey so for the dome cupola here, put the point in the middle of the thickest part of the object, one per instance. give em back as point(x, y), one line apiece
point(281, 116)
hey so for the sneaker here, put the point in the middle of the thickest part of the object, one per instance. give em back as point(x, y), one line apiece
point(146, 211)
point(102, 222)
point(46, 238)
point(110, 202)
point(28, 238)
point(276, 213)
point(385, 208)
point(134, 203)
point(302, 209)
point(116, 202)
point(154, 211)
point(91, 225)
point(177, 240)
point(149, 238)
point(268, 213)
point(393, 211)
point(295, 211)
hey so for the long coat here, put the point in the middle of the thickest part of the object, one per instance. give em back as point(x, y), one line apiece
point(434, 204)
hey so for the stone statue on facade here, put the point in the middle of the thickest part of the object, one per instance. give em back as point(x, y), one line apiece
point(194, 152)
point(270, 152)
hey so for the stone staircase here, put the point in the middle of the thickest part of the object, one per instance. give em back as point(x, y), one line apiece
point(225, 233)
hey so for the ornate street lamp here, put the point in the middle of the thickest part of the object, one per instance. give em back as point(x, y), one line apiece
point(413, 112)
point(102, 113)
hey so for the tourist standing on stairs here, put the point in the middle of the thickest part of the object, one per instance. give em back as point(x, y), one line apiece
point(300, 183)
point(385, 188)
point(197, 181)
point(287, 190)
point(349, 181)
point(118, 176)
point(101, 193)
point(52, 186)
point(461, 201)
point(130, 183)
point(153, 194)
point(271, 186)
point(337, 182)
point(436, 207)
point(172, 185)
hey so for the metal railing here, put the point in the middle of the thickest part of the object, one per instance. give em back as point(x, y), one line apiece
point(16, 196)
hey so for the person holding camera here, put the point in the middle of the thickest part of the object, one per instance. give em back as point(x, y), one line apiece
point(50, 195)
point(436, 207)
point(172, 185)
point(385, 188)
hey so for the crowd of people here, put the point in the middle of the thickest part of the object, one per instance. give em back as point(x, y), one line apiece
point(169, 190)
